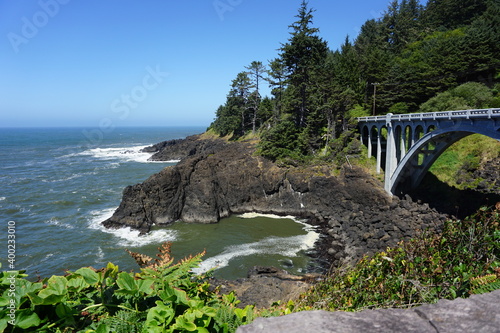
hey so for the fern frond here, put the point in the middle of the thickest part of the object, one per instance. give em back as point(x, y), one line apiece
point(183, 267)
point(485, 288)
point(483, 280)
point(125, 322)
point(164, 255)
point(164, 261)
point(484, 284)
point(141, 259)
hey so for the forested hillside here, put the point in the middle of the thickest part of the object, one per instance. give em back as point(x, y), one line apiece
point(396, 63)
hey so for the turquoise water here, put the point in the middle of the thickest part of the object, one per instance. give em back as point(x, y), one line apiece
point(59, 184)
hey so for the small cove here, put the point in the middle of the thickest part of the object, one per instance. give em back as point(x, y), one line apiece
point(58, 188)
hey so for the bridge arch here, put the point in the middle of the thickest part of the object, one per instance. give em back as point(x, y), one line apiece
point(413, 142)
point(412, 169)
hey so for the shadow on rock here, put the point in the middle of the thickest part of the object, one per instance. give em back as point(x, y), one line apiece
point(451, 200)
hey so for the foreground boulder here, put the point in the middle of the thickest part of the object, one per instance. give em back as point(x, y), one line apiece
point(479, 313)
point(215, 179)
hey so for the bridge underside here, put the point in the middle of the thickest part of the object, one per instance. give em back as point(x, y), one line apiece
point(407, 149)
point(414, 166)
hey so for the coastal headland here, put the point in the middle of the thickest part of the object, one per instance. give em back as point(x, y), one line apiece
point(216, 178)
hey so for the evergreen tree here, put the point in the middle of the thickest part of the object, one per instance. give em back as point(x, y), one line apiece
point(266, 111)
point(232, 117)
point(256, 71)
point(302, 56)
point(483, 46)
point(227, 120)
point(426, 68)
point(452, 14)
point(276, 76)
point(374, 57)
point(402, 24)
point(238, 98)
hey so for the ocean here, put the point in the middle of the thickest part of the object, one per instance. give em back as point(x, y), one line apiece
point(59, 184)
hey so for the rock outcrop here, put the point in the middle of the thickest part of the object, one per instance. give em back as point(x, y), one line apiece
point(181, 148)
point(265, 286)
point(489, 176)
point(479, 313)
point(215, 179)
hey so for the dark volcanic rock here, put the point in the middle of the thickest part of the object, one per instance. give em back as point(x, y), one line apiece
point(490, 173)
point(220, 178)
point(266, 285)
point(173, 150)
point(479, 313)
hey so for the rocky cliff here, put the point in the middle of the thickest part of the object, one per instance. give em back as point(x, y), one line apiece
point(215, 179)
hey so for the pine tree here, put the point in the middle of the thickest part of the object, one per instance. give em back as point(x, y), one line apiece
point(232, 117)
point(256, 71)
point(302, 56)
point(238, 96)
point(452, 14)
point(374, 56)
point(276, 77)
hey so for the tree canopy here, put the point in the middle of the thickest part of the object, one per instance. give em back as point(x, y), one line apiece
point(397, 63)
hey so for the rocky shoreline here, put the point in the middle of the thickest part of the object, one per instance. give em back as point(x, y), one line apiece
point(216, 178)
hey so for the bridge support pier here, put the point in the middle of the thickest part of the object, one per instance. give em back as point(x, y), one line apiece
point(379, 151)
point(391, 161)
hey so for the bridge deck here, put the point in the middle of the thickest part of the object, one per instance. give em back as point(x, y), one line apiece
point(460, 114)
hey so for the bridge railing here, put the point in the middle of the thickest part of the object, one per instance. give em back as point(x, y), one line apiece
point(458, 114)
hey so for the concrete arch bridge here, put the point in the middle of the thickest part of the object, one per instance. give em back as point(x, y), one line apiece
point(408, 144)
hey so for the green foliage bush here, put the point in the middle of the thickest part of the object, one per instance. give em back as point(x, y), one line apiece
point(423, 270)
point(357, 111)
point(471, 95)
point(399, 108)
point(163, 297)
point(281, 141)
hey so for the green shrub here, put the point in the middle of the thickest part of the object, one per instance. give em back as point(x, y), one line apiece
point(281, 142)
point(423, 270)
point(399, 108)
point(163, 297)
point(470, 95)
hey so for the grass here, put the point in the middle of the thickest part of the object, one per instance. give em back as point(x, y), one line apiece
point(465, 155)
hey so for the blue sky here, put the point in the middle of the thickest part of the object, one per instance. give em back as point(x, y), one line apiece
point(148, 63)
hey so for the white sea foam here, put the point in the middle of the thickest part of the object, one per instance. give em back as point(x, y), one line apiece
point(2, 198)
point(271, 216)
point(128, 237)
point(285, 246)
point(56, 222)
point(307, 227)
point(65, 179)
point(126, 154)
point(99, 255)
